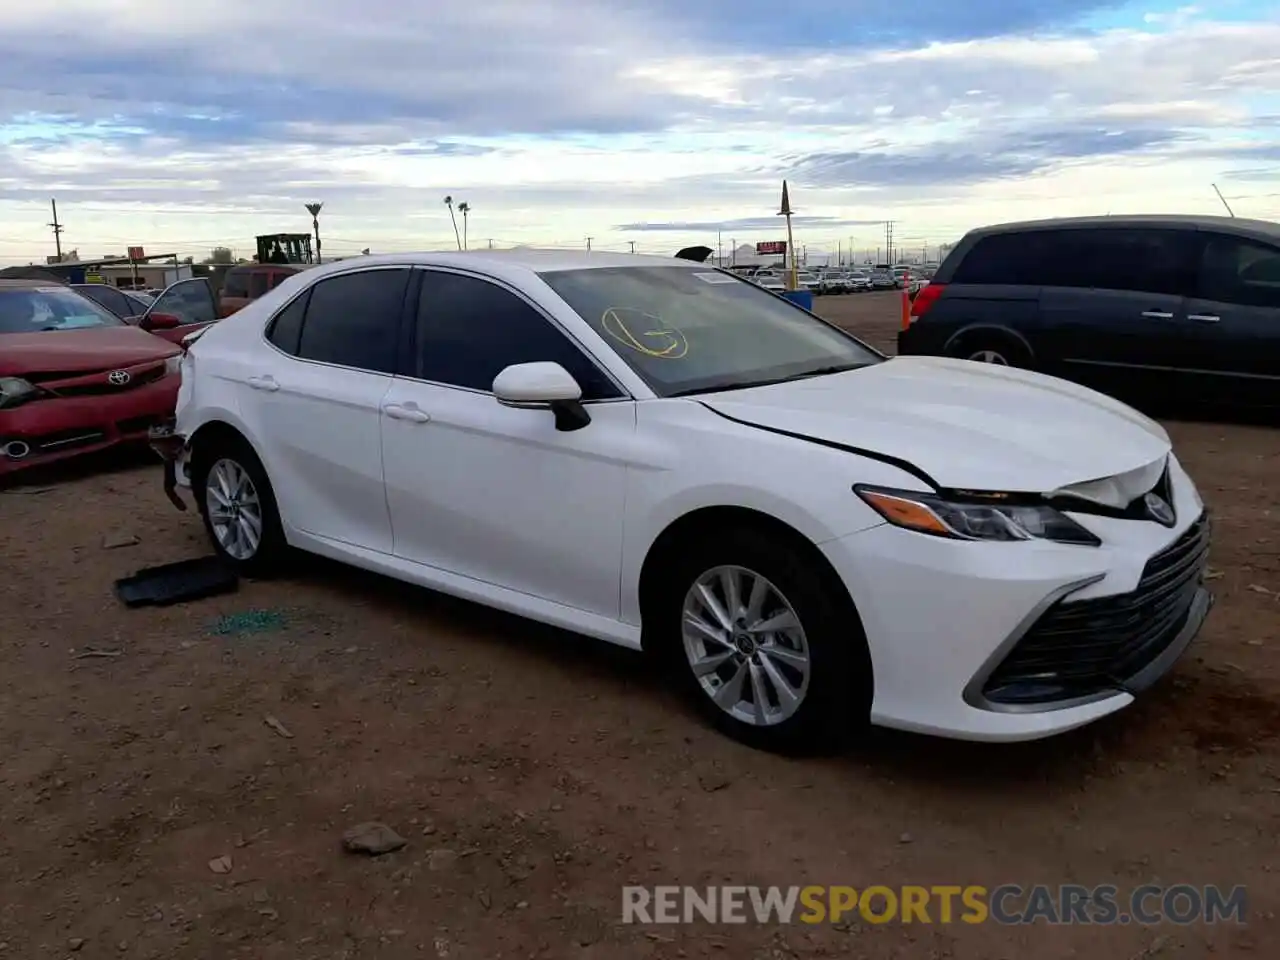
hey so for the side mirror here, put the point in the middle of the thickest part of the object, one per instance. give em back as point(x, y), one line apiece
point(159, 321)
point(543, 385)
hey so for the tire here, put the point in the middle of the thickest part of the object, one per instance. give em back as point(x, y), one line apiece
point(1000, 351)
point(224, 463)
point(834, 695)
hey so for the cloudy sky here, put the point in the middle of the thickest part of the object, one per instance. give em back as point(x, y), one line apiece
point(182, 126)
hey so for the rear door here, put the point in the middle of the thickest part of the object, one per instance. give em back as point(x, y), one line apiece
point(318, 397)
point(1112, 306)
point(1233, 320)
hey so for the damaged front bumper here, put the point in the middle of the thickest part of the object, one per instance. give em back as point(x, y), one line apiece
point(172, 449)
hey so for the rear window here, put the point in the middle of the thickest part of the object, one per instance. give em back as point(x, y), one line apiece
point(37, 309)
point(1129, 259)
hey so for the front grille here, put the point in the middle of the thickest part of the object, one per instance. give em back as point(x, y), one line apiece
point(1081, 647)
point(101, 386)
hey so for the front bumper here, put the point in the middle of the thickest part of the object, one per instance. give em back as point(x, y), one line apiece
point(47, 431)
point(972, 641)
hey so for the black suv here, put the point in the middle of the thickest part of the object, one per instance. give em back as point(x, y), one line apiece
point(1143, 306)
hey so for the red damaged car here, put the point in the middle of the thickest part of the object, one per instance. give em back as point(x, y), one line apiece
point(74, 377)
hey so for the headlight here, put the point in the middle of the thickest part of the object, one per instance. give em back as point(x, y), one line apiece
point(172, 365)
point(15, 390)
point(974, 519)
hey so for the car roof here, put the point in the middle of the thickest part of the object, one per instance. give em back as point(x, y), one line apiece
point(1238, 225)
point(520, 258)
point(12, 284)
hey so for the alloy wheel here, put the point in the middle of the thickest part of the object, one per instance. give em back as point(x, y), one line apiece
point(235, 509)
point(989, 356)
point(746, 645)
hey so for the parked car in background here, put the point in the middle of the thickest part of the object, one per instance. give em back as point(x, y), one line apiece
point(181, 308)
point(807, 280)
point(859, 281)
point(663, 456)
point(74, 377)
point(1145, 307)
point(769, 280)
point(833, 281)
point(245, 283)
point(882, 278)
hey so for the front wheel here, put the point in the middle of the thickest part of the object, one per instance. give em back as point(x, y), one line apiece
point(239, 508)
point(765, 648)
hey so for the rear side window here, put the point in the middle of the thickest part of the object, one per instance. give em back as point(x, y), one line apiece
point(1239, 271)
point(257, 284)
point(236, 284)
point(353, 320)
point(286, 328)
point(1139, 259)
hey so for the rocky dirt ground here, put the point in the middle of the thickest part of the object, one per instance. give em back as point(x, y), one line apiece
point(176, 782)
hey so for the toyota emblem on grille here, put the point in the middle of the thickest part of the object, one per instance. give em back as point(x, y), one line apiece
point(1158, 509)
point(118, 378)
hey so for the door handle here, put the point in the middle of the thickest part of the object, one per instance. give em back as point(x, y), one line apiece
point(264, 383)
point(1157, 315)
point(404, 411)
point(1204, 317)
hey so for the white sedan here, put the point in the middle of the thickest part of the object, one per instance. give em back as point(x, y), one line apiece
point(662, 455)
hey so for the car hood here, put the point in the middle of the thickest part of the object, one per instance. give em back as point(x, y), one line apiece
point(971, 426)
point(72, 351)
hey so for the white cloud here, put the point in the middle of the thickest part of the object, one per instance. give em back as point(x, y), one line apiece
point(380, 110)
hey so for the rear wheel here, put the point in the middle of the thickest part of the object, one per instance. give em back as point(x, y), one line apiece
point(997, 350)
point(763, 646)
point(238, 506)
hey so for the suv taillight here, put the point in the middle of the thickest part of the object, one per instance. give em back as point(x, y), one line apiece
point(925, 298)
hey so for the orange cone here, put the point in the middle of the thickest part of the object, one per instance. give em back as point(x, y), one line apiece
point(906, 300)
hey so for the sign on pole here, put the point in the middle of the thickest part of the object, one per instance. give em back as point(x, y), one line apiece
point(136, 253)
point(768, 248)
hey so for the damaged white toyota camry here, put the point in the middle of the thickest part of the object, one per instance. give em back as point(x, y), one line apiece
point(659, 454)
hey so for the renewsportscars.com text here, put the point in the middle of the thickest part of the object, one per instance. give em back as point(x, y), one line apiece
point(1007, 904)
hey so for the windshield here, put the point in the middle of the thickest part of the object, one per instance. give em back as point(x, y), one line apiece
point(697, 331)
point(36, 309)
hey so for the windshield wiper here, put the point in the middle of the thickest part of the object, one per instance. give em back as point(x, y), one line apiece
point(746, 384)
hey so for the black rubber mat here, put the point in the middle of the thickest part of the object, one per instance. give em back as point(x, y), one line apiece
point(177, 583)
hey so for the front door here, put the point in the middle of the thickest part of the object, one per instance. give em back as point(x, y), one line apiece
point(494, 493)
point(1234, 320)
point(318, 395)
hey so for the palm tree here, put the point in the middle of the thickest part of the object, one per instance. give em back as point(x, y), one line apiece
point(464, 208)
point(448, 202)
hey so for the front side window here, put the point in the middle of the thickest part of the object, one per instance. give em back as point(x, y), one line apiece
point(688, 331)
point(257, 284)
point(469, 330)
point(236, 283)
point(39, 309)
point(353, 320)
point(1238, 271)
point(112, 299)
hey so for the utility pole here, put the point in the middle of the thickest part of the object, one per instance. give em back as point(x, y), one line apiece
point(733, 251)
point(719, 251)
point(588, 244)
point(633, 245)
point(490, 243)
point(57, 230)
point(314, 210)
point(888, 242)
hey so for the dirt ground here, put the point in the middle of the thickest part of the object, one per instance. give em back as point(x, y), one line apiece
point(534, 773)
